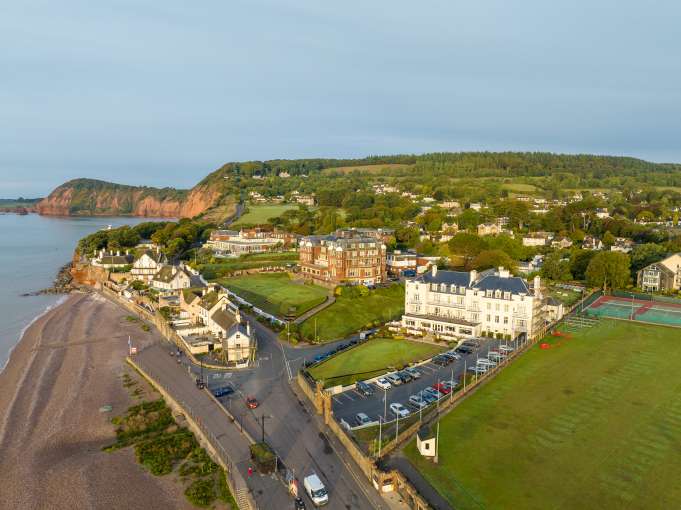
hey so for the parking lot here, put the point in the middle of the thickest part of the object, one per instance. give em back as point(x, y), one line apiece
point(346, 405)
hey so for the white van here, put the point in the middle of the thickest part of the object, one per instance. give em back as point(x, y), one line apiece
point(316, 490)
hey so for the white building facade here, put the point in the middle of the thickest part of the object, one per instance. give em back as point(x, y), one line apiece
point(471, 304)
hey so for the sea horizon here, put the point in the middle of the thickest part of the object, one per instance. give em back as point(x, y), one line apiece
point(32, 250)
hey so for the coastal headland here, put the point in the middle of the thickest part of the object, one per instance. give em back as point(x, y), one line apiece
point(68, 365)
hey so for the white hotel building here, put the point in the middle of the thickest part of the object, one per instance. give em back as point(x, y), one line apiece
point(470, 304)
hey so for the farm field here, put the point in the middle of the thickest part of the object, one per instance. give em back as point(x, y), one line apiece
point(372, 358)
point(258, 214)
point(277, 293)
point(351, 313)
point(592, 422)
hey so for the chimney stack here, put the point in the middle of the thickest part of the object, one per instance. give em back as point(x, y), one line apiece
point(433, 270)
point(537, 285)
point(474, 276)
point(248, 328)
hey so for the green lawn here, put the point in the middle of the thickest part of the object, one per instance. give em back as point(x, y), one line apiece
point(350, 314)
point(259, 214)
point(566, 296)
point(519, 187)
point(372, 358)
point(593, 422)
point(276, 293)
point(226, 266)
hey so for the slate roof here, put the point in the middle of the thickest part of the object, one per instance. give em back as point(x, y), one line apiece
point(513, 284)
point(166, 275)
point(224, 319)
point(112, 260)
point(486, 280)
point(209, 300)
point(458, 278)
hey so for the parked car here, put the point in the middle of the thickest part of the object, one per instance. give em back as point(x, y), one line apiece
point(415, 374)
point(405, 376)
point(486, 362)
point(200, 383)
point(478, 369)
point(399, 410)
point(383, 383)
point(316, 490)
point(444, 387)
point(464, 349)
point(417, 401)
point(471, 343)
point(428, 398)
point(394, 379)
point(362, 419)
point(222, 392)
point(506, 348)
point(299, 504)
point(434, 392)
point(251, 402)
point(496, 356)
point(364, 388)
point(441, 360)
point(451, 355)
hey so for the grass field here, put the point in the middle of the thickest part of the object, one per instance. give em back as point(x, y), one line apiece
point(566, 296)
point(350, 314)
point(593, 422)
point(519, 187)
point(227, 265)
point(372, 358)
point(276, 293)
point(371, 169)
point(259, 214)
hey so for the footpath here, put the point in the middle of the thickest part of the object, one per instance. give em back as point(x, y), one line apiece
point(224, 435)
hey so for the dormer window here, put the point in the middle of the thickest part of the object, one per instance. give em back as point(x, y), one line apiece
point(507, 295)
point(497, 294)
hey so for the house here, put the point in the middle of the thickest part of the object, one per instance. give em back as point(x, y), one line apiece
point(426, 442)
point(537, 239)
point(308, 200)
point(456, 304)
point(622, 244)
point(532, 265)
point(171, 278)
point(399, 263)
point(561, 243)
point(602, 213)
point(592, 243)
point(662, 276)
point(351, 256)
point(284, 174)
point(554, 309)
point(111, 260)
point(476, 206)
point(450, 204)
point(490, 229)
point(147, 265)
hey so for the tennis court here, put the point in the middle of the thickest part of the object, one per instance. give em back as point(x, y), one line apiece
point(654, 312)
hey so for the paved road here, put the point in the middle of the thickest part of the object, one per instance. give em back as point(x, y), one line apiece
point(289, 428)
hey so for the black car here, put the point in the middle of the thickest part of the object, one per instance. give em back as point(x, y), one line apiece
point(471, 343)
point(405, 376)
point(299, 504)
point(440, 360)
point(463, 349)
point(222, 392)
point(364, 388)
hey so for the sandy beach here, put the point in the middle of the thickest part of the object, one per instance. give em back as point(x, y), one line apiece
point(69, 364)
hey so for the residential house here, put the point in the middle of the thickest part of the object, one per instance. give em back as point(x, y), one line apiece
point(170, 279)
point(602, 213)
point(491, 229)
point(147, 265)
point(252, 240)
point(592, 243)
point(662, 276)
point(476, 206)
point(622, 245)
point(537, 239)
point(111, 260)
point(561, 243)
point(554, 309)
point(526, 267)
point(470, 304)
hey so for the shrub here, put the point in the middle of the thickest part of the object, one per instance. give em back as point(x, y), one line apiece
point(201, 493)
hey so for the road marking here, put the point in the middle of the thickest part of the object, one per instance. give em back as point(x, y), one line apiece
point(348, 396)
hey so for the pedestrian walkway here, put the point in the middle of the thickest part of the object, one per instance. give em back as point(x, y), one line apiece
point(329, 301)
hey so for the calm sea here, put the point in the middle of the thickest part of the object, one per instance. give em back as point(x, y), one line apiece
point(32, 249)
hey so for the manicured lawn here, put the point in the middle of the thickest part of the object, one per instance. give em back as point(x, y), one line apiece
point(350, 314)
point(566, 296)
point(372, 358)
point(226, 266)
point(276, 293)
point(259, 214)
point(592, 422)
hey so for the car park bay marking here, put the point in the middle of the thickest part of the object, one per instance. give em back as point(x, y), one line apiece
point(348, 396)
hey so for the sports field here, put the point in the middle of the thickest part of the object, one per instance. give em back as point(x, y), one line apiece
point(592, 422)
point(276, 293)
point(375, 357)
point(259, 214)
point(656, 312)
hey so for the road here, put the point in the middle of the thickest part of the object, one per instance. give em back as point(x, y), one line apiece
point(289, 428)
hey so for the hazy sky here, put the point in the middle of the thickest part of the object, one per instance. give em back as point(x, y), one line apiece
point(162, 92)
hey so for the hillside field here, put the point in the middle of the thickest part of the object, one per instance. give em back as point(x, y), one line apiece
point(592, 422)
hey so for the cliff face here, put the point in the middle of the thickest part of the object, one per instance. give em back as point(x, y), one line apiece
point(87, 197)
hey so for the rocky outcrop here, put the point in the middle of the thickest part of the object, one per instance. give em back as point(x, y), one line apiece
point(88, 197)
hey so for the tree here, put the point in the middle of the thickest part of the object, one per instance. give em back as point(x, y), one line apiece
point(608, 239)
point(579, 261)
point(608, 269)
point(492, 258)
point(646, 254)
point(556, 268)
point(467, 245)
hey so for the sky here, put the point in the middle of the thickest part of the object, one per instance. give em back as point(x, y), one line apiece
point(161, 93)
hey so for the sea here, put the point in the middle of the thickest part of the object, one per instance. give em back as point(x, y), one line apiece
point(32, 250)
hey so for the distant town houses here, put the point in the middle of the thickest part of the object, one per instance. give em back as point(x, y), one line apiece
point(535, 264)
point(147, 265)
point(476, 206)
point(470, 304)
point(450, 204)
point(409, 263)
point(662, 276)
point(602, 213)
point(538, 239)
point(382, 189)
point(308, 200)
point(622, 245)
point(351, 256)
point(170, 279)
point(112, 260)
point(252, 240)
point(561, 243)
point(492, 229)
point(257, 198)
point(592, 243)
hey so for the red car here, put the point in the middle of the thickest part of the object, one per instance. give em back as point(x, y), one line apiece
point(443, 387)
point(251, 402)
